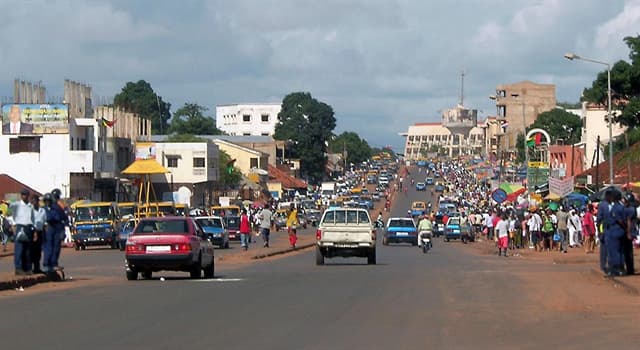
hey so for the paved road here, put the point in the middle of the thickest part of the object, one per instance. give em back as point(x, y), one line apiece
point(447, 299)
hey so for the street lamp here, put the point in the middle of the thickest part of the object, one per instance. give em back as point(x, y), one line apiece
point(573, 56)
point(524, 129)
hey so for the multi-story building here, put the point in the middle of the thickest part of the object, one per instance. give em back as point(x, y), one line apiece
point(248, 119)
point(519, 105)
point(431, 138)
point(594, 124)
point(193, 169)
point(63, 145)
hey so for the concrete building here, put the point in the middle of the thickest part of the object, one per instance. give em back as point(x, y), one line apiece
point(67, 148)
point(264, 144)
point(424, 138)
point(193, 170)
point(514, 100)
point(246, 158)
point(594, 124)
point(565, 160)
point(248, 119)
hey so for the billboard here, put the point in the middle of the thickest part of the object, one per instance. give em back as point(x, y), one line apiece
point(145, 150)
point(460, 117)
point(30, 119)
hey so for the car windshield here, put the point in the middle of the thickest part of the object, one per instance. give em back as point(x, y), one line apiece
point(102, 213)
point(454, 221)
point(127, 210)
point(204, 222)
point(158, 227)
point(419, 205)
point(232, 222)
point(401, 223)
point(226, 211)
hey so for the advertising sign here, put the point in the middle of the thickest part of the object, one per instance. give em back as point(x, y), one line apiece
point(34, 119)
point(561, 187)
point(460, 118)
point(145, 150)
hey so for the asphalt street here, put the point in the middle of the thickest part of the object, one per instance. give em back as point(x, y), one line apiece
point(446, 299)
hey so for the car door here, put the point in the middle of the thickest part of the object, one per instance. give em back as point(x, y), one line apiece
point(204, 245)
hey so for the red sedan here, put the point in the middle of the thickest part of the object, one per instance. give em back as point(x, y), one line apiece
point(168, 243)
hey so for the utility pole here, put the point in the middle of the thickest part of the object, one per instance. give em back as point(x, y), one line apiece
point(462, 88)
point(598, 164)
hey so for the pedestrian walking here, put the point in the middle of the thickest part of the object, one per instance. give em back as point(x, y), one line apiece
point(40, 218)
point(535, 228)
point(292, 225)
point(562, 218)
point(589, 231)
point(265, 225)
point(245, 230)
point(502, 232)
point(575, 229)
point(547, 231)
point(23, 217)
point(617, 229)
point(4, 231)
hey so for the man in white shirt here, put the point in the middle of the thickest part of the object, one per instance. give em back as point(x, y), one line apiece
point(23, 216)
point(265, 225)
point(535, 224)
point(502, 231)
point(40, 217)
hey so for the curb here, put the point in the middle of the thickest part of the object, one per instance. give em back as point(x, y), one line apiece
point(23, 282)
point(618, 282)
point(285, 251)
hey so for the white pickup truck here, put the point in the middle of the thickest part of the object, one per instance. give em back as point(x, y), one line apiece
point(346, 232)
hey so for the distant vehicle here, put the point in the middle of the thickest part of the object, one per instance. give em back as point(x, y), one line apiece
point(366, 201)
point(439, 188)
point(418, 208)
point(313, 216)
point(168, 243)
point(421, 186)
point(232, 226)
point(439, 226)
point(95, 224)
point(213, 227)
point(371, 179)
point(400, 230)
point(346, 233)
point(421, 163)
point(452, 229)
point(383, 180)
point(429, 181)
point(125, 230)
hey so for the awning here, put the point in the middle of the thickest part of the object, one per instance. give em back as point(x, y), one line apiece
point(145, 167)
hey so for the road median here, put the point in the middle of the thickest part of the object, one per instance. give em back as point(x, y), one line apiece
point(282, 251)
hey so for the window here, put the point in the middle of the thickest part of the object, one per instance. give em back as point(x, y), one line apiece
point(198, 162)
point(265, 134)
point(264, 118)
point(24, 144)
point(246, 118)
point(246, 134)
point(253, 163)
point(172, 161)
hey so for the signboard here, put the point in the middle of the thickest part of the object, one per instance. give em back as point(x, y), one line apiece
point(35, 119)
point(145, 150)
point(499, 195)
point(537, 177)
point(561, 187)
point(538, 165)
point(460, 117)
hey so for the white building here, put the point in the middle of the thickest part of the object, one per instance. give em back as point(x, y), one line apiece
point(594, 124)
point(423, 138)
point(248, 119)
point(193, 170)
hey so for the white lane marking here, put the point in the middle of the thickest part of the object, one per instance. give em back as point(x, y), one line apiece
point(220, 280)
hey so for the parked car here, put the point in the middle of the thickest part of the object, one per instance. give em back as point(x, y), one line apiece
point(214, 229)
point(125, 231)
point(400, 230)
point(168, 243)
point(452, 229)
point(420, 186)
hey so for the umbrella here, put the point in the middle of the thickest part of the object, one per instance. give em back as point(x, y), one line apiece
point(552, 197)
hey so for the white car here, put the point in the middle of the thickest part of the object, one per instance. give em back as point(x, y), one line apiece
point(346, 232)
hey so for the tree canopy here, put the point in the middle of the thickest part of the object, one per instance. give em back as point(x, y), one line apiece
point(625, 87)
point(228, 174)
point(357, 149)
point(308, 125)
point(190, 119)
point(140, 98)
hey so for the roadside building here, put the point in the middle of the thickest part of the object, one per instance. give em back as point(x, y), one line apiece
point(565, 160)
point(246, 158)
point(258, 119)
point(424, 139)
point(518, 101)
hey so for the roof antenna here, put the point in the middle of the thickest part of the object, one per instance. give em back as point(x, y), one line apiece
point(462, 88)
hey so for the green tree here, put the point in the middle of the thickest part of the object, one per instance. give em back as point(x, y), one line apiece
point(190, 119)
point(308, 124)
point(625, 87)
point(140, 98)
point(357, 149)
point(559, 123)
point(185, 138)
point(229, 175)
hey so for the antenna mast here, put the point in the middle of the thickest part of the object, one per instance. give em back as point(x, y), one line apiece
point(462, 88)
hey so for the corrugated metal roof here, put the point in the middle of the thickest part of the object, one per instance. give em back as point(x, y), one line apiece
point(9, 185)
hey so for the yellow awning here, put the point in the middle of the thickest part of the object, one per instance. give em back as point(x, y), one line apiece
point(145, 167)
point(552, 197)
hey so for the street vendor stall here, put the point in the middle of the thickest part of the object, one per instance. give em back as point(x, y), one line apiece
point(147, 198)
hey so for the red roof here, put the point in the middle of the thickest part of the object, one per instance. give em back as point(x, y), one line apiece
point(9, 185)
point(626, 167)
point(287, 180)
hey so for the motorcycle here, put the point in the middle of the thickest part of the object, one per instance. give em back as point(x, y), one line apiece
point(378, 224)
point(424, 241)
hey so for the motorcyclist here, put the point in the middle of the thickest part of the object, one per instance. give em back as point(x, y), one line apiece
point(424, 229)
point(379, 221)
point(409, 214)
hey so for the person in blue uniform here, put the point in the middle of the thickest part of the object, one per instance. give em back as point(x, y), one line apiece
point(603, 213)
point(631, 216)
point(617, 229)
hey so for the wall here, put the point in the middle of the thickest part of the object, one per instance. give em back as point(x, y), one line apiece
point(243, 156)
point(594, 125)
point(423, 135)
point(562, 157)
point(229, 118)
point(186, 151)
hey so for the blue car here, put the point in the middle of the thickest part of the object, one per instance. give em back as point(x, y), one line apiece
point(430, 181)
point(452, 229)
point(420, 186)
point(213, 227)
point(366, 202)
point(401, 230)
point(124, 233)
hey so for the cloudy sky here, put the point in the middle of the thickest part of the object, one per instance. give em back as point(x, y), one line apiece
point(382, 64)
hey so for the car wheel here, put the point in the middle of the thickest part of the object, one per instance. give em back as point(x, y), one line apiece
point(209, 270)
point(132, 275)
point(319, 256)
point(385, 241)
point(371, 259)
point(147, 275)
point(196, 270)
